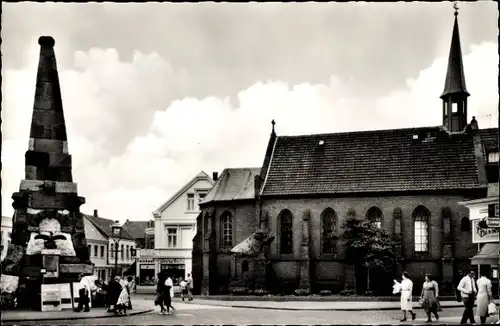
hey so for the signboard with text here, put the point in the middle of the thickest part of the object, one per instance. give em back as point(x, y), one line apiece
point(493, 222)
point(171, 261)
point(147, 266)
point(480, 235)
point(146, 260)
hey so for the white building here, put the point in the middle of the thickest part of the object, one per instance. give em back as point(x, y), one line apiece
point(487, 239)
point(6, 232)
point(175, 227)
point(98, 249)
point(105, 265)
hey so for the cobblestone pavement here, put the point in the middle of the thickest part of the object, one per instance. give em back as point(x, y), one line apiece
point(192, 313)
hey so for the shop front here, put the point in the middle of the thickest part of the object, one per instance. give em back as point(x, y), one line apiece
point(175, 267)
point(487, 238)
point(146, 268)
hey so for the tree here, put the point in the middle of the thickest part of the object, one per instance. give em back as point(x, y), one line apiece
point(367, 246)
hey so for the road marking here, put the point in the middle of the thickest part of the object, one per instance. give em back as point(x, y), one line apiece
point(183, 314)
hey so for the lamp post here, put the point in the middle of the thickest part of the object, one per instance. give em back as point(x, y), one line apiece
point(116, 230)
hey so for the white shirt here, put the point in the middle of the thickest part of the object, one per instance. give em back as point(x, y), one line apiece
point(190, 282)
point(407, 285)
point(168, 282)
point(467, 286)
point(183, 284)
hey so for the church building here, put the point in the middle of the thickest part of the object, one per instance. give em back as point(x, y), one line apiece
point(407, 181)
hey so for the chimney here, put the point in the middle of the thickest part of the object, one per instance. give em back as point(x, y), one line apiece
point(95, 213)
point(215, 176)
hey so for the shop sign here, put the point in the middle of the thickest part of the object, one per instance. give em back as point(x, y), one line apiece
point(480, 235)
point(146, 260)
point(147, 253)
point(171, 261)
point(147, 266)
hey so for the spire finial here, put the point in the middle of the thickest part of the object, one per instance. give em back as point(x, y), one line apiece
point(273, 123)
point(455, 6)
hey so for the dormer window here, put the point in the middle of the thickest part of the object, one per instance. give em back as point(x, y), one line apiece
point(493, 157)
point(190, 202)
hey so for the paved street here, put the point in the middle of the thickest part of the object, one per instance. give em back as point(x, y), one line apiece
point(192, 313)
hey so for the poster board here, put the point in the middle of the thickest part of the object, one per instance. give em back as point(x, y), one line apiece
point(483, 235)
point(51, 297)
point(66, 300)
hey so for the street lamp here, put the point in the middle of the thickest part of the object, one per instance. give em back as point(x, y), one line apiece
point(116, 230)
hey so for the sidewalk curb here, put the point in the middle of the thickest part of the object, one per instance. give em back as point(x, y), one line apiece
point(76, 317)
point(317, 309)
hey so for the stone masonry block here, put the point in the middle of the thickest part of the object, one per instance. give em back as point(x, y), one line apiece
point(33, 185)
point(44, 97)
point(30, 172)
point(38, 159)
point(40, 200)
point(59, 160)
point(50, 145)
point(66, 187)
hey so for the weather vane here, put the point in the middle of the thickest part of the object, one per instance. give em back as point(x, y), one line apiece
point(455, 6)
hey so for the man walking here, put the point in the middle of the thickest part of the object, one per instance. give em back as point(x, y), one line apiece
point(83, 293)
point(468, 292)
point(189, 281)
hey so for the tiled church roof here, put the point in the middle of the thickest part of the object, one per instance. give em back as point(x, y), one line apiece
point(233, 184)
point(374, 161)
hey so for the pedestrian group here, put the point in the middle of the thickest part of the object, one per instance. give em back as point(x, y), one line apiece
point(468, 291)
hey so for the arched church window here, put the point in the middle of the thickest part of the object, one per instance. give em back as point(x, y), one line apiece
point(328, 222)
point(374, 215)
point(286, 232)
point(421, 217)
point(227, 229)
point(465, 224)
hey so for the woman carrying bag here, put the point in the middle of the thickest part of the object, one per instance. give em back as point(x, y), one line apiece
point(485, 304)
point(428, 298)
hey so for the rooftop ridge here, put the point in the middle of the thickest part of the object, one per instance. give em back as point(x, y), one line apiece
point(370, 131)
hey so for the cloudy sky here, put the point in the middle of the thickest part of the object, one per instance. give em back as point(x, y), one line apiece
point(154, 93)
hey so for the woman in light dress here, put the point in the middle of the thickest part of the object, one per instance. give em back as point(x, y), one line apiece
point(484, 296)
point(430, 292)
point(124, 299)
point(406, 294)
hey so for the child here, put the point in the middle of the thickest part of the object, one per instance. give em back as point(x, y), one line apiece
point(184, 289)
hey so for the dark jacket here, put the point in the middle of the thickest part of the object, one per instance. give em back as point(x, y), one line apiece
point(114, 289)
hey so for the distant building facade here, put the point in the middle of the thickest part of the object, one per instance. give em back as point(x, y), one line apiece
point(142, 232)
point(409, 182)
point(98, 245)
point(105, 264)
point(487, 239)
point(6, 233)
point(174, 229)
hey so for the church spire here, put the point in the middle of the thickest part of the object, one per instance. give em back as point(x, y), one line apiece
point(455, 92)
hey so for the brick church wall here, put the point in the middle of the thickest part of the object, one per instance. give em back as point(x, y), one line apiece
point(330, 270)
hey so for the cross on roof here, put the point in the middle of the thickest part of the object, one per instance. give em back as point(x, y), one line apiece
point(273, 123)
point(455, 6)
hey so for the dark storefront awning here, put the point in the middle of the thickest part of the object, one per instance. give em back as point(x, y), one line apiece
point(488, 255)
point(130, 270)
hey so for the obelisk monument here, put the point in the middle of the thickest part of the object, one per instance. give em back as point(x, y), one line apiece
point(47, 222)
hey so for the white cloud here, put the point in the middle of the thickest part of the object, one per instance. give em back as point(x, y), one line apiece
point(103, 96)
